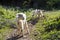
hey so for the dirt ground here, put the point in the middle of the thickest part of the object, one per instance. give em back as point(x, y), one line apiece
point(14, 36)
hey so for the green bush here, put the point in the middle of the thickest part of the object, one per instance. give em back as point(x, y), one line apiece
point(49, 28)
point(46, 29)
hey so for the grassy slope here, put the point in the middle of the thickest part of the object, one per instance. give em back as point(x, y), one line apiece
point(42, 29)
point(8, 15)
point(49, 27)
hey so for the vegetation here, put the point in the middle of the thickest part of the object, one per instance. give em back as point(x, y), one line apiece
point(49, 28)
point(46, 29)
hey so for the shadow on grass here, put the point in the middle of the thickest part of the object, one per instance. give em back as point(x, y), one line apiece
point(53, 26)
point(33, 21)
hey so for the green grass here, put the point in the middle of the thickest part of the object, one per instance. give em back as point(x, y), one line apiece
point(4, 32)
point(8, 14)
point(45, 28)
point(48, 27)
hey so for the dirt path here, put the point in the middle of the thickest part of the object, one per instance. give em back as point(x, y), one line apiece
point(13, 36)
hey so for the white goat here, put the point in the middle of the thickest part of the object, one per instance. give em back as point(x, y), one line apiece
point(37, 12)
point(21, 22)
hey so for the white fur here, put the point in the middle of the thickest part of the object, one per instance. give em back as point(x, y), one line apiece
point(22, 15)
point(37, 12)
point(22, 21)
